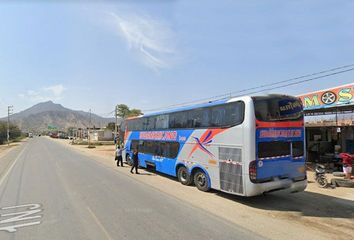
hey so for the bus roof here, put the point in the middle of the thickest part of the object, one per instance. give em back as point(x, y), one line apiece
point(184, 108)
point(199, 105)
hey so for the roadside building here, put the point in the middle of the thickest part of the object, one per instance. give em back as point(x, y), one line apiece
point(101, 134)
point(81, 133)
point(329, 123)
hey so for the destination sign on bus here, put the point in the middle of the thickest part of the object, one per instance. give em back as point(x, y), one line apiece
point(289, 107)
point(159, 135)
point(272, 133)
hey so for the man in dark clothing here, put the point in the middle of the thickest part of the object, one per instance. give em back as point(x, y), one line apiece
point(135, 161)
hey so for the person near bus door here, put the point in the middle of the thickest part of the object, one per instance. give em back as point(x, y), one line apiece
point(119, 155)
point(135, 161)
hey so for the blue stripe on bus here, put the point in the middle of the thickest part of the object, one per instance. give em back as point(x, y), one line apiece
point(164, 165)
point(281, 167)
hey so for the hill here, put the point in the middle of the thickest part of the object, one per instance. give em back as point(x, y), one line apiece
point(48, 114)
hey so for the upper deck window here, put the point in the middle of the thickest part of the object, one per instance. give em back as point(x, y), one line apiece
point(218, 116)
point(278, 108)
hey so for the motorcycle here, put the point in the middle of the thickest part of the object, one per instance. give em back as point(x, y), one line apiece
point(320, 175)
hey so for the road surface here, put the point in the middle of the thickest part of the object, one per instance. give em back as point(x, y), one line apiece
point(52, 192)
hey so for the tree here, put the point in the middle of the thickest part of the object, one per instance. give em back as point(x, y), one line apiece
point(15, 132)
point(124, 111)
point(134, 112)
point(111, 126)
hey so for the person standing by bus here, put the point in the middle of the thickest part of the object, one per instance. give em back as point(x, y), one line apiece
point(119, 156)
point(135, 161)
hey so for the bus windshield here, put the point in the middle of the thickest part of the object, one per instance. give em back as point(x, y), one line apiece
point(277, 108)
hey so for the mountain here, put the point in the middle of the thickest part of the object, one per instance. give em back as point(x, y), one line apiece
point(48, 114)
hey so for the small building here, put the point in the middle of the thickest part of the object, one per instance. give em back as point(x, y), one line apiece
point(102, 134)
point(329, 122)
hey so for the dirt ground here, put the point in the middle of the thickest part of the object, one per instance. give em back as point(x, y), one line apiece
point(313, 214)
point(4, 150)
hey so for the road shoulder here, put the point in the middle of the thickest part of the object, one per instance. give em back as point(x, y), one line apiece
point(6, 155)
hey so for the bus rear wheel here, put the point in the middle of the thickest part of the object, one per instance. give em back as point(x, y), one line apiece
point(183, 176)
point(201, 181)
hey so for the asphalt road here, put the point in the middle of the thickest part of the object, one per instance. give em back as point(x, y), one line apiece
point(52, 192)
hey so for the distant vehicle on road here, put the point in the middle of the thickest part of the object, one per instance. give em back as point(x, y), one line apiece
point(245, 146)
point(30, 135)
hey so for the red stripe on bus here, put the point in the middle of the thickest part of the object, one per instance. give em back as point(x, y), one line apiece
point(289, 124)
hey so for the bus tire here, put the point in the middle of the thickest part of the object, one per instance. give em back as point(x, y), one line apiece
point(201, 181)
point(183, 176)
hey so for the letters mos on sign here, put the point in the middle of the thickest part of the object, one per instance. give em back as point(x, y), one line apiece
point(337, 96)
point(23, 216)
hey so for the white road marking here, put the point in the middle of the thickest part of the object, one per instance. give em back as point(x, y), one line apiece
point(10, 168)
point(99, 224)
point(34, 206)
point(31, 209)
point(13, 228)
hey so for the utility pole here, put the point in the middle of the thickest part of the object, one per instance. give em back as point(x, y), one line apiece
point(9, 112)
point(116, 126)
point(88, 132)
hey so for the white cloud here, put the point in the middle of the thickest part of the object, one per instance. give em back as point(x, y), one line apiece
point(57, 90)
point(54, 92)
point(152, 40)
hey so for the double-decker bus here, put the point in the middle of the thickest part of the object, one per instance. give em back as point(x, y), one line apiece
point(245, 146)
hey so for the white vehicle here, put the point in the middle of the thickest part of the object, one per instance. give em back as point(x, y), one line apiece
point(245, 146)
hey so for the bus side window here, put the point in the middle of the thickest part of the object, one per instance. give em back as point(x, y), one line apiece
point(156, 148)
point(167, 149)
point(150, 123)
point(178, 120)
point(206, 118)
point(162, 121)
point(174, 148)
point(162, 149)
point(217, 117)
point(134, 144)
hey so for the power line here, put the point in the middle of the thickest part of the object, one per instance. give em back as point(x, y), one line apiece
point(231, 94)
point(293, 79)
point(299, 82)
point(107, 114)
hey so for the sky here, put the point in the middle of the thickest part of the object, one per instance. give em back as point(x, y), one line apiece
point(152, 54)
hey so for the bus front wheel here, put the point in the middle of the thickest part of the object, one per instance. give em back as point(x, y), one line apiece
point(183, 176)
point(201, 181)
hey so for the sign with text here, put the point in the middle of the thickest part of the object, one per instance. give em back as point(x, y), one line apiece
point(334, 97)
point(159, 135)
point(284, 133)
